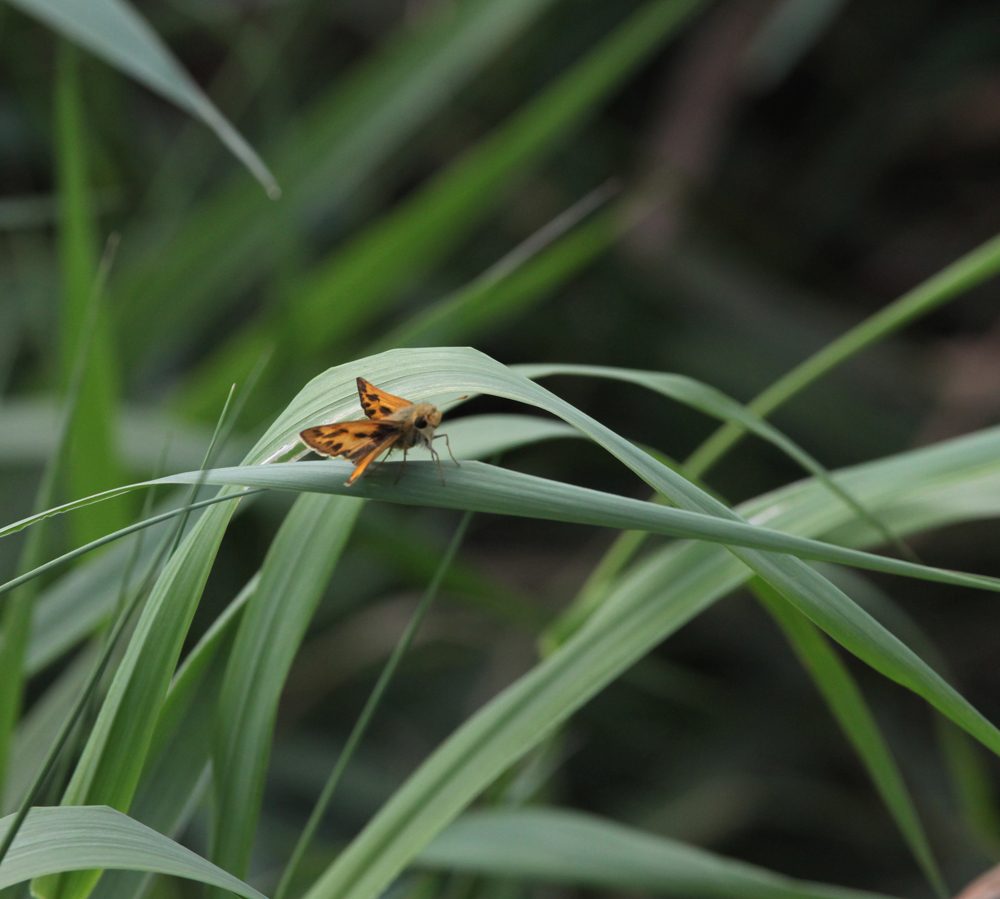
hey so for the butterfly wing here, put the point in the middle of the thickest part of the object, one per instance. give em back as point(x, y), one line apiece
point(376, 403)
point(360, 441)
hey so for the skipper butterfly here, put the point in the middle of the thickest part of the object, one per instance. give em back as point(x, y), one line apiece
point(391, 422)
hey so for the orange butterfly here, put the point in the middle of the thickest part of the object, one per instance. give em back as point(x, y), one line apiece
point(392, 421)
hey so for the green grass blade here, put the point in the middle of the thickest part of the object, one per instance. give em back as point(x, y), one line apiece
point(485, 488)
point(562, 846)
point(717, 404)
point(180, 750)
point(114, 31)
point(367, 713)
point(419, 232)
point(523, 715)
point(294, 575)
point(61, 839)
point(974, 268)
point(856, 720)
point(92, 459)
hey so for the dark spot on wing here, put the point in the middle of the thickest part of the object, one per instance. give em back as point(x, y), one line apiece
point(372, 396)
point(384, 410)
point(337, 447)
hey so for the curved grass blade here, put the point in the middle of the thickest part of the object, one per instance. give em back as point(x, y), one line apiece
point(715, 403)
point(485, 488)
point(295, 573)
point(114, 31)
point(855, 718)
point(361, 725)
point(555, 845)
point(973, 268)
point(54, 840)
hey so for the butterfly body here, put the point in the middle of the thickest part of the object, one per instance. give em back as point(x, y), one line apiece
point(391, 422)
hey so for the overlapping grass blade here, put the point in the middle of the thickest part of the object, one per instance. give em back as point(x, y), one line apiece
point(295, 573)
point(856, 720)
point(180, 750)
point(563, 846)
point(54, 840)
point(485, 488)
point(114, 31)
point(715, 403)
point(426, 803)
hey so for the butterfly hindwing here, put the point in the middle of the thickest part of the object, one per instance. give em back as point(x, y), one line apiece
point(376, 403)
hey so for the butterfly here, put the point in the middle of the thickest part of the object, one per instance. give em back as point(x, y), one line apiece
point(391, 422)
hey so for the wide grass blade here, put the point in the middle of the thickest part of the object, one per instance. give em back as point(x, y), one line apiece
point(562, 846)
point(53, 840)
point(292, 580)
point(484, 488)
point(114, 31)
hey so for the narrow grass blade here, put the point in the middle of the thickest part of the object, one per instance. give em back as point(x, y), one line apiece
point(295, 573)
point(856, 720)
point(974, 268)
point(715, 403)
point(485, 488)
point(530, 271)
point(114, 31)
point(364, 719)
point(92, 457)
point(61, 839)
point(562, 846)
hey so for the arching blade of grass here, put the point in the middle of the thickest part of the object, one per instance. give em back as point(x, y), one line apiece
point(856, 720)
point(340, 140)
point(486, 488)
point(965, 273)
point(562, 846)
point(715, 403)
point(295, 573)
point(362, 276)
point(114, 31)
point(424, 805)
point(974, 268)
point(59, 839)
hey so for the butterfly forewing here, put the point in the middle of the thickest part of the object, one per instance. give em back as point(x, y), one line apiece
point(376, 403)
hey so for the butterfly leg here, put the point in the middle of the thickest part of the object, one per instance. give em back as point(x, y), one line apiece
point(380, 461)
point(447, 443)
point(437, 459)
point(402, 468)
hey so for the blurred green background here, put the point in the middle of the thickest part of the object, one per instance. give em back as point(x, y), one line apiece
point(719, 190)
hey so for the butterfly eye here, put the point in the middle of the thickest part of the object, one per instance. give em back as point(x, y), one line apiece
point(421, 422)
